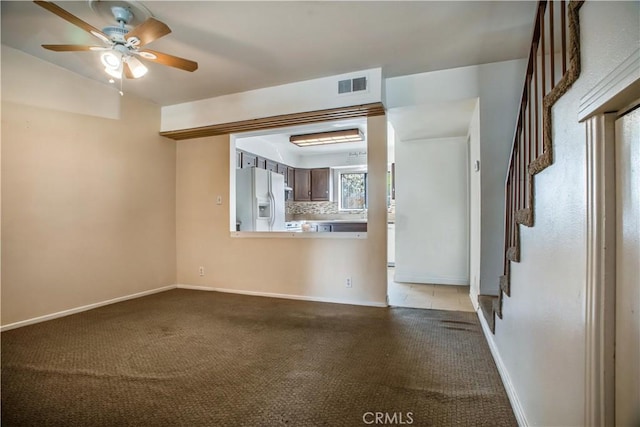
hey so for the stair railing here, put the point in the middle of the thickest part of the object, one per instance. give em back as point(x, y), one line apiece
point(553, 66)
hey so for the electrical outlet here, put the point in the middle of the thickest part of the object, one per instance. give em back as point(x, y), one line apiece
point(349, 283)
point(219, 200)
point(201, 270)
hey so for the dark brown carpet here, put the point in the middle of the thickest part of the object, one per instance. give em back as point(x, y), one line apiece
point(194, 358)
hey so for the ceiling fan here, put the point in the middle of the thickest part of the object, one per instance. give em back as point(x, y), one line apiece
point(122, 46)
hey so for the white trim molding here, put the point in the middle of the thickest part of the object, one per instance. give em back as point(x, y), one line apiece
point(599, 109)
point(621, 87)
point(436, 280)
point(601, 270)
point(284, 296)
point(75, 310)
point(518, 411)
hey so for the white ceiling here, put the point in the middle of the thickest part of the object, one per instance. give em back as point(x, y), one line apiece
point(248, 45)
point(432, 121)
point(242, 45)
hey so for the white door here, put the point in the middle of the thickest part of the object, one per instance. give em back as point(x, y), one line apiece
point(627, 347)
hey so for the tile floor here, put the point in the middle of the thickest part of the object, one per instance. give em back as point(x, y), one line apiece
point(437, 297)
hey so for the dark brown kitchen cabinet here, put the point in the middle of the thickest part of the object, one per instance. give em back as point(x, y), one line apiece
point(357, 227)
point(311, 184)
point(290, 177)
point(320, 184)
point(302, 185)
point(393, 181)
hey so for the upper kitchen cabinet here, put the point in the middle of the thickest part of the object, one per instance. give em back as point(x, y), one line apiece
point(320, 181)
point(302, 185)
point(290, 176)
point(311, 184)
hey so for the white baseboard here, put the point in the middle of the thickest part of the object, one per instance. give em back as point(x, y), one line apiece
point(83, 308)
point(474, 301)
point(435, 280)
point(193, 287)
point(504, 374)
point(285, 296)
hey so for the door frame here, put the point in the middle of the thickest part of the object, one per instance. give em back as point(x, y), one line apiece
point(608, 100)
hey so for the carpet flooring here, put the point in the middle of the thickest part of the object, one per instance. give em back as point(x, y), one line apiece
point(193, 358)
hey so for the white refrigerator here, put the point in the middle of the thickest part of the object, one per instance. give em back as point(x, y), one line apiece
point(259, 200)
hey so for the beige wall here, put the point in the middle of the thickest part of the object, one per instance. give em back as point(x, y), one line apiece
point(308, 267)
point(90, 207)
point(88, 202)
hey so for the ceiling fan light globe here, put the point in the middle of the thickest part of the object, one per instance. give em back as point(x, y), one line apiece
point(111, 60)
point(137, 69)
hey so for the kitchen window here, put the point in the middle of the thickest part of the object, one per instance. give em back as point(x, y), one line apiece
point(352, 190)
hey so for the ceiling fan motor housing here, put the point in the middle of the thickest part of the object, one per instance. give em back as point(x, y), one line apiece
point(122, 14)
point(115, 33)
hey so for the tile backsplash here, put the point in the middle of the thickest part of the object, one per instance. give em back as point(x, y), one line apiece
point(316, 211)
point(315, 208)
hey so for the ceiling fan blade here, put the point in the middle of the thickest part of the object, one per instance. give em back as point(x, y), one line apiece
point(170, 60)
point(148, 31)
point(54, 8)
point(71, 47)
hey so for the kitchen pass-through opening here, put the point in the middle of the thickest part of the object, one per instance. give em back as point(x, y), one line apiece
point(301, 179)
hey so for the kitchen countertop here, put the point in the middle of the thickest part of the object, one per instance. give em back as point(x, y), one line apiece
point(334, 221)
point(331, 221)
point(334, 218)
